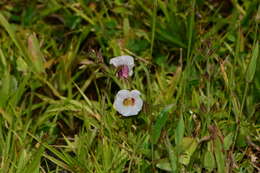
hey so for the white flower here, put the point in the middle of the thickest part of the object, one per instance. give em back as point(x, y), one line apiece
point(128, 103)
point(124, 64)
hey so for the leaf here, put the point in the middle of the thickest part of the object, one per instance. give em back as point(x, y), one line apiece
point(164, 164)
point(179, 131)
point(137, 45)
point(228, 140)
point(32, 56)
point(252, 65)
point(188, 146)
point(21, 65)
point(29, 15)
point(57, 162)
point(220, 158)
point(21, 88)
point(126, 27)
point(172, 155)
point(115, 47)
point(167, 37)
point(209, 161)
point(35, 164)
point(241, 138)
point(5, 89)
point(159, 124)
point(11, 33)
point(6, 116)
point(191, 32)
point(35, 54)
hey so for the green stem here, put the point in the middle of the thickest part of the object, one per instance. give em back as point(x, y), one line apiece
point(239, 118)
point(153, 25)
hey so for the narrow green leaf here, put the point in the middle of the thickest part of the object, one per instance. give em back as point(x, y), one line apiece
point(219, 155)
point(159, 124)
point(82, 15)
point(252, 65)
point(3, 60)
point(35, 55)
point(11, 33)
point(126, 27)
point(14, 100)
point(172, 155)
point(22, 65)
point(35, 164)
point(163, 7)
point(5, 89)
point(57, 153)
point(190, 33)
point(32, 56)
point(22, 161)
point(6, 116)
point(115, 47)
point(57, 162)
point(179, 131)
point(164, 164)
point(168, 37)
point(228, 140)
point(145, 9)
point(209, 161)
point(107, 155)
point(153, 25)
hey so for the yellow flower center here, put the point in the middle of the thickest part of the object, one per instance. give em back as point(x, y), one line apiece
point(129, 102)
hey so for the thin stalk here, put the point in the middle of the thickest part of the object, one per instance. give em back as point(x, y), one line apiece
point(153, 25)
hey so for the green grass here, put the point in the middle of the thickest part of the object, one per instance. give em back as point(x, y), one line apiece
point(196, 65)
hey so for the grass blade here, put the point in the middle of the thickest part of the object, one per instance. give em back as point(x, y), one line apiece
point(159, 124)
point(252, 65)
point(179, 131)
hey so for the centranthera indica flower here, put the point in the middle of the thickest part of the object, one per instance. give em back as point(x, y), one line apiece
point(124, 64)
point(128, 103)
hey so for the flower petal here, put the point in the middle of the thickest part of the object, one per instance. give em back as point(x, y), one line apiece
point(123, 94)
point(124, 110)
point(123, 72)
point(123, 60)
point(135, 93)
point(130, 72)
point(128, 110)
point(139, 104)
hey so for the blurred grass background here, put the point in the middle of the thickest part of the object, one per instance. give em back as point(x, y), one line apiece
point(197, 67)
